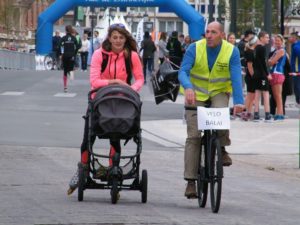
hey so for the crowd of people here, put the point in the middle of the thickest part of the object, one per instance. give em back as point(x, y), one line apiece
point(273, 76)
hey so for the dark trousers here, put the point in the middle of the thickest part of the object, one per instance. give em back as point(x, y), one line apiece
point(84, 57)
point(148, 64)
point(296, 81)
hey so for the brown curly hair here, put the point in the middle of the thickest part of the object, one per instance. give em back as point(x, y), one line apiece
point(130, 44)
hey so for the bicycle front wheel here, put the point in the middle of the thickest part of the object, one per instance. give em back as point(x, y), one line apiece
point(202, 182)
point(216, 175)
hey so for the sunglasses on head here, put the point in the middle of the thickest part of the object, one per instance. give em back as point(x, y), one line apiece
point(117, 25)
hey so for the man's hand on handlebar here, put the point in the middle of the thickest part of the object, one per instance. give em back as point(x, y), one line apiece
point(238, 109)
point(190, 96)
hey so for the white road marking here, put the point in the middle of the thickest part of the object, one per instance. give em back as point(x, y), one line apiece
point(65, 95)
point(13, 93)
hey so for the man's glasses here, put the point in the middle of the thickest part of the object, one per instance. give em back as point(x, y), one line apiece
point(121, 25)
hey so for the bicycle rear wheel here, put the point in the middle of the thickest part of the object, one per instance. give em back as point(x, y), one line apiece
point(48, 62)
point(202, 184)
point(216, 175)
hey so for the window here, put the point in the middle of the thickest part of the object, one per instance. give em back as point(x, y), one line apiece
point(202, 9)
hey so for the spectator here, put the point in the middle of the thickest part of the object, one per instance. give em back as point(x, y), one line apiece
point(96, 41)
point(175, 50)
point(295, 65)
point(55, 46)
point(186, 43)
point(277, 62)
point(241, 45)
point(231, 38)
point(162, 47)
point(261, 76)
point(79, 43)
point(249, 80)
point(148, 48)
point(84, 51)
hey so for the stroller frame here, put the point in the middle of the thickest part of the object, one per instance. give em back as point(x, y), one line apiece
point(113, 176)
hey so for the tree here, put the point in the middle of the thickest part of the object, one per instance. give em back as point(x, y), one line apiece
point(250, 15)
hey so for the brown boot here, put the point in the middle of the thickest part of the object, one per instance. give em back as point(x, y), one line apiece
point(227, 161)
point(190, 191)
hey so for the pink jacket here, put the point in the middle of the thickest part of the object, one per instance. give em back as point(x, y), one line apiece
point(115, 69)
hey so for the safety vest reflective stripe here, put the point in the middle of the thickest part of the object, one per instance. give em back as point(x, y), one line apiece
point(219, 80)
point(203, 90)
point(216, 80)
point(198, 78)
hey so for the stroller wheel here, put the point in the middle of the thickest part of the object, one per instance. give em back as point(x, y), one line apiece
point(81, 182)
point(144, 186)
point(114, 192)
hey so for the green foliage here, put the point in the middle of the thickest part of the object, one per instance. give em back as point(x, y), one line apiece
point(250, 14)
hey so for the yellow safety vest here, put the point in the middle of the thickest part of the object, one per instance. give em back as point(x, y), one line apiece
point(210, 83)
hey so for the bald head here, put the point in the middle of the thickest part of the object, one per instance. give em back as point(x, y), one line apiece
point(216, 25)
point(214, 34)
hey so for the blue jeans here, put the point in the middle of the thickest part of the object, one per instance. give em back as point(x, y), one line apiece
point(296, 81)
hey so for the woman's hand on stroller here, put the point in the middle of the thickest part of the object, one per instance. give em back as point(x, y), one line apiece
point(117, 81)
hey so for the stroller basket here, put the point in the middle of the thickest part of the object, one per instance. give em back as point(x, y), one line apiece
point(116, 112)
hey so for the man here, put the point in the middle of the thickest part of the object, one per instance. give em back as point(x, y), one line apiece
point(248, 35)
point(55, 46)
point(175, 50)
point(148, 48)
point(261, 77)
point(295, 64)
point(210, 70)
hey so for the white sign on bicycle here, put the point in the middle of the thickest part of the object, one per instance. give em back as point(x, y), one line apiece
point(213, 118)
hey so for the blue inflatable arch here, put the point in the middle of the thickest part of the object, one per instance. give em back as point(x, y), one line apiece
point(181, 8)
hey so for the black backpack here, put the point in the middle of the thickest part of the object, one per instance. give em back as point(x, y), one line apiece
point(127, 64)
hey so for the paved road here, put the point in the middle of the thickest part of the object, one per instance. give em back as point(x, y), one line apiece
point(40, 133)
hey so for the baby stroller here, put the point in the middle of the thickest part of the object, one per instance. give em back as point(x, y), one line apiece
point(114, 113)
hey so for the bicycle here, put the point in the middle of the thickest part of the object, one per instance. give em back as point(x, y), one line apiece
point(210, 170)
point(51, 62)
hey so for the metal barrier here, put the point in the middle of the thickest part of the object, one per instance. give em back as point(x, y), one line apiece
point(13, 60)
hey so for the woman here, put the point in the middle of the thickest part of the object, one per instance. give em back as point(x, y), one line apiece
point(186, 43)
point(277, 61)
point(250, 83)
point(84, 52)
point(231, 38)
point(162, 47)
point(68, 48)
point(118, 45)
